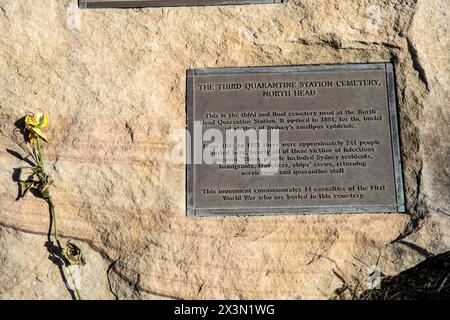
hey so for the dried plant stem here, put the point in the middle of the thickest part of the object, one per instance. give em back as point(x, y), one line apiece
point(41, 158)
point(61, 250)
point(55, 226)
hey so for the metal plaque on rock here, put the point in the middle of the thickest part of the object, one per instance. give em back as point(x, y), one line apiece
point(295, 139)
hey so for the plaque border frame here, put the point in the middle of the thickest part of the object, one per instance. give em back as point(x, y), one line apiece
point(92, 4)
point(388, 67)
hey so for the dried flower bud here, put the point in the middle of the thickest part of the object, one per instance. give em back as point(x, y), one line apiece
point(34, 123)
point(73, 254)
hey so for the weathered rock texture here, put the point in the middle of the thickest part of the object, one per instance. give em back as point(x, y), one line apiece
point(113, 83)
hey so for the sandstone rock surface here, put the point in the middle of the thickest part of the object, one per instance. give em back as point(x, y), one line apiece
point(113, 83)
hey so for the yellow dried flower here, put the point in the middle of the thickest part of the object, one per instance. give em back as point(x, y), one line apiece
point(34, 123)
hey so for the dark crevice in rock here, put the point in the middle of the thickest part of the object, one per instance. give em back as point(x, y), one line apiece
point(381, 44)
point(133, 281)
point(108, 272)
point(419, 211)
point(422, 251)
point(410, 110)
point(133, 284)
point(415, 223)
point(200, 288)
point(136, 286)
point(4, 12)
point(333, 42)
point(130, 131)
point(417, 64)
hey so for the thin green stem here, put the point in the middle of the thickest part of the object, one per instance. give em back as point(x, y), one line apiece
point(63, 255)
point(77, 291)
point(55, 226)
point(41, 158)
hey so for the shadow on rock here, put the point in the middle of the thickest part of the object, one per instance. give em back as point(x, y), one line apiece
point(428, 280)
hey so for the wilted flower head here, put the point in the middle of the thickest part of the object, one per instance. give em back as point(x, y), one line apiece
point(34, 122)
point(73, 254)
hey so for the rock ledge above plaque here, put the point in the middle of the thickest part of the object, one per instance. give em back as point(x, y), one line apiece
point(165, 3)
point(338, 141)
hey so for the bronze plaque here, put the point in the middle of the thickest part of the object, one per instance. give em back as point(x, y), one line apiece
point(303, 139)
point(163, 3)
